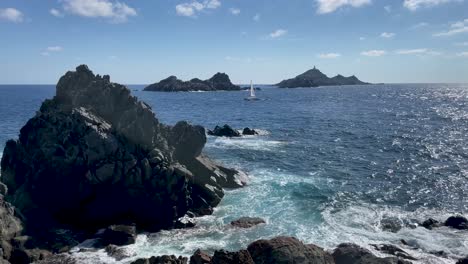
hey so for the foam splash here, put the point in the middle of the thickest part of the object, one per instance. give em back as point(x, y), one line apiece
point(246, 142)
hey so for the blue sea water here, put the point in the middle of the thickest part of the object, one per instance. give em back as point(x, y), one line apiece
point(331, 165)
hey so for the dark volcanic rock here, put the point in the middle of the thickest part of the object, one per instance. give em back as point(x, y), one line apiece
point(95, 156)
point(57, 259)
point(393, 250)
point(353, 254)
point(220, 81)
point(11, 226)
point(314, 78)
point(431, 223)
point(287, 250)
point(249, 132)
point(162, 260)
point(247, 222)
point(224, 131)
point(226, 257)
point(116, 252)
point(457, 222)
point(119, 235)
point(463, 261)
point(200, 257)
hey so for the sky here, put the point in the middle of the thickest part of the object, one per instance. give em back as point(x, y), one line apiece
point(144, 41)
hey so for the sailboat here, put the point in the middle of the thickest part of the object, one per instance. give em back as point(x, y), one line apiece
point(252, 96)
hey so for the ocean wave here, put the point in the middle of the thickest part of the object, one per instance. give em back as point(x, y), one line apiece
point(246, 142)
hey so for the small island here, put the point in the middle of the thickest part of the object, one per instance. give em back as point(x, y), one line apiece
point(219, 82)
point(315, 78)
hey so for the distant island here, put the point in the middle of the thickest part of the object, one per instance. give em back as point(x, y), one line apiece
point(219, 82)
point(314, 78)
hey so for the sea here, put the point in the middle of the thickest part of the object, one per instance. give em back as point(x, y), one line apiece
point(330, 165)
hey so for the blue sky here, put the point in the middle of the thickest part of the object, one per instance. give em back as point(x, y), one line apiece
point(143, 41)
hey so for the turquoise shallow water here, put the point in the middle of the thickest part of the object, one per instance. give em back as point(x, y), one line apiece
point(331, 164)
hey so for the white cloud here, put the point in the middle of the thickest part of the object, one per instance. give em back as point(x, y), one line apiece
point(463, 54)
point(422, 51)
point(278, 33)
point(388, 8)
point(387, 35)
point(191, 9)
point(256, 17)
point(416, 4)
point(12, 15)
point(234, 11)
point(455, 28)
point(329, 6)
point(54, 48)
point(374, 53)
point(419, 25)
point(116, 11)
point(329, 55)
point(56, 12)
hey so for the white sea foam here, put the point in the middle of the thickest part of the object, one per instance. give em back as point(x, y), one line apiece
point(246, 142)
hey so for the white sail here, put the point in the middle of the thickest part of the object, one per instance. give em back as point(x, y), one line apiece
point(252, 90)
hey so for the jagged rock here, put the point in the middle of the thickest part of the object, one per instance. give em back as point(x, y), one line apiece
point(10, 225)
point(463, 261)
point(247, 222)
point(116, 252)
point(57, 259)
point(457, 222)
point(224, 131)
point(227, 257)
point(353, 254)
point(162, 260)
point(249, 132)
point(287, 250)
point(95, 156)
point(200, 257)
point(26, 256)
point(314, 78)
point(119, 235)
point(220, 81)
point(431, 223)
point(393, 250)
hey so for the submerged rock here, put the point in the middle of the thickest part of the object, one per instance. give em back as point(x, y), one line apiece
point(95, 156)
point(431, 223)
point(463, 261)
point(247, 222)
point(116, 252)
point(393, 250)
point(224, 131)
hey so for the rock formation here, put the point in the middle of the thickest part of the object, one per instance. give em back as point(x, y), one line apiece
point(95, 156)
point(314, 78)
point(219, 82)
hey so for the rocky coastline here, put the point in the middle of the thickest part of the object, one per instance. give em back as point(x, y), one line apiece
point(219, 82)
point(95, 163)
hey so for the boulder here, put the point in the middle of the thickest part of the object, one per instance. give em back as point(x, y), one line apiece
point(247, 222)
point(200, 257)
point(393, 250)
point(463, 261)
point(119, 235)
point(249, 132)
point(431, 223)
point(457, 222)
point(116, 252)
point(353, 254)
point(287, 250)
point(224, 131)
point(227, 257)
point(95, 156)
point(162, 260)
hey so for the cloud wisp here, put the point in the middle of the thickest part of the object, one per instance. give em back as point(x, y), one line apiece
point(417, 4)
point(331, 55)
point(52, 49)
point(387, 35)
point(278, 33)
point(373, 53)
point(455, 29)
point(191, 9)
point(11, 15)
point(329, 6)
